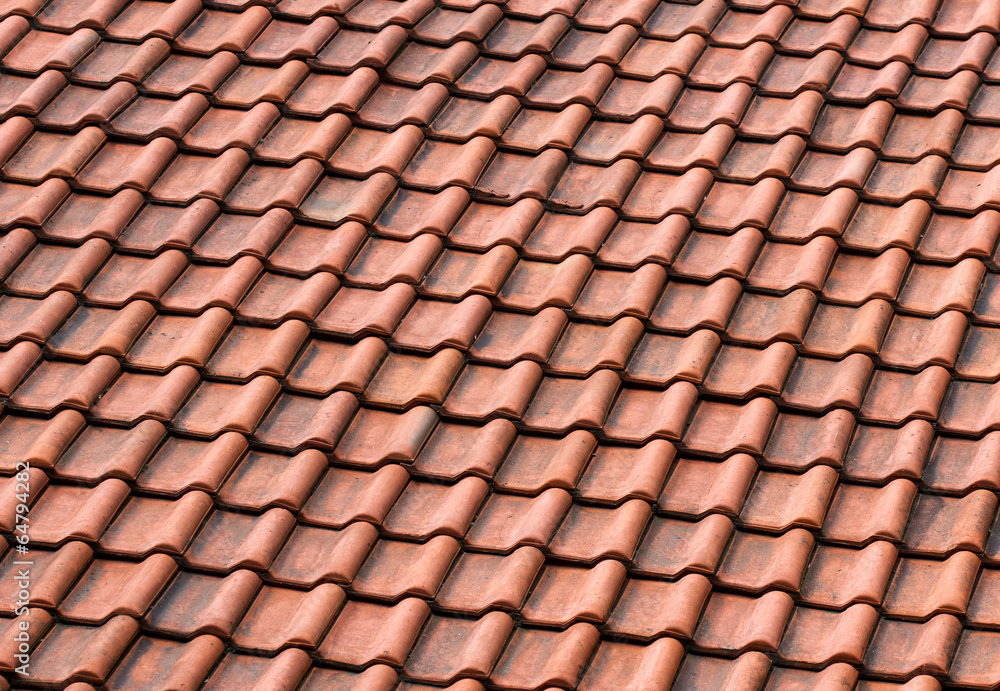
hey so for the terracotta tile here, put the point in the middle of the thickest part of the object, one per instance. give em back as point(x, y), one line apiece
point(943, 524)
point(741, 28)
point(687, 306)
point(922, 587)
point(450, 647)
point(377, 677)
point(432, 324)
point(797, 115)
point(39, 442)
point(929, 290)
point(888, 16)
point(171, 340)
point(54, 385)
point(442, 26)
point(293, 138)
point(16, 363)
point(403, 380)
point(125, 278)
point(94, 650)
point(199, 603)
point(845, 383)
point(48, 154)
point(243, 671)
point(679, 151)
point(668, 21)
point(375, 437)
point(923, 394)
point(363, 152)
point(308, 249)
point(262, 480)
point(212, 31)
point(860, 85)
point(912, 137)
point(750, 161)
point(53, 574)
point(410, 213)
point(720, 428)
point(373, 14)
point(698, 487)
point(813, 490)
point(952, 238)
point(957, 465)
point(943, 57)
point(913, 343)
point(789, 75)
point(383, 576)
point(83, 217)
point(885, 276)
point(590, 533)
point(36, 320)
point(984, 310)
point(295, 422)
point(462, 119)
point(639, 415)
point(109, 587)
point(335, 200)
point(202, 286)
point(735, 622)
point(319, 94)
point(671, 546)
point(929, 646)
point(221, 128)
point(838, 576)
point(809, 36)
point(699, 110)
point(838, 673)
point(841, 128)
point(445, 454)
point(231, 540)
point(276, 298)
point(697, 671)
point(425, 509)
point(282, 40)
point(757, 204)
point(876, 227)
point(27, 95)
point(879, 453)
point(327, 365)
point(110, 62)
point(231, 236)
point(182, 464)
point(352, 49)
point(418, 63)
point(719, 67)
point(31, 205)
point(341, 554)
point(481, 581)
point(157, 226)
point(507, 521)
point(640, 611)
point(216, 407)
point(183, 73)
point(141, 526)
point(511, 176)
point(816, 636)
point(508, 337)
point(513, 38)
point(657, 195)
point(707, 256)
point(364, 632)
point(649, 58)
point(886, 512)
point(878, 48)
point(957, 18)
point(281, 616)
point(40, 50)
point(76, 106)
point(101, 452)
point(579, 48)
point(981, 609)
point(513, 389)
point(755, 562)
point(347, 495)
point(565, 594)
point(76, 512)
point(535, 658)
point(660, 359)
point(355, 312)
point(630, 98)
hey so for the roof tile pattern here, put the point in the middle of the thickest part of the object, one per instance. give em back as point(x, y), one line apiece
point(503, 344)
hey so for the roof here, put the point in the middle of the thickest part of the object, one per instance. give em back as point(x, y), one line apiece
point(524, 344)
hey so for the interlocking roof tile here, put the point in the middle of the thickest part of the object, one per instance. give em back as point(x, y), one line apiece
point(472, 333)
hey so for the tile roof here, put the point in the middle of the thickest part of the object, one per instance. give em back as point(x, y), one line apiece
point(501, 344)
